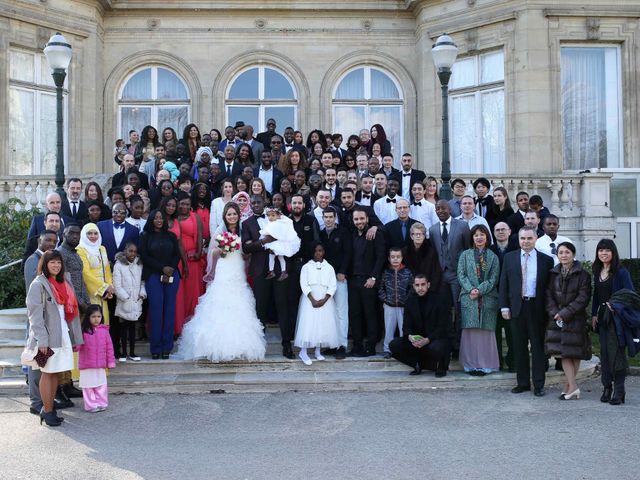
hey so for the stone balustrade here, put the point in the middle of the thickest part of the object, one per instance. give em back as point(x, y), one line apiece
point(33, 191)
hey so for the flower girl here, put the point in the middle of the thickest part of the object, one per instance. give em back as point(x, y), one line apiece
point(316, 325)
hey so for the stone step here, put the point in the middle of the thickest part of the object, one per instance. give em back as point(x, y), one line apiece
point(312, 378)
point(12, 347)
point(16, 316)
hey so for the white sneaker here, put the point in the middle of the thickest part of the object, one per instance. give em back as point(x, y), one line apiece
point(305, 358)
point(319, 356)
point(134, 359)
point(101, 409)
point(122, 359)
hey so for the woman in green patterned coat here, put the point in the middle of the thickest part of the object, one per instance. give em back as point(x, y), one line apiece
point(478, 273)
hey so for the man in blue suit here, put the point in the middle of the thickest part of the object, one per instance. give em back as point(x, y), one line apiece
point(116, 233)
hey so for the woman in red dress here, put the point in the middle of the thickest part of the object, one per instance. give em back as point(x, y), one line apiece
point(201, 204)
point(191, 286)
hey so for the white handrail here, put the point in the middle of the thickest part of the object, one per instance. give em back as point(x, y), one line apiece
point(9, 265)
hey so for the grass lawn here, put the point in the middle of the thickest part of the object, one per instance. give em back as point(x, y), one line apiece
point(595, 342)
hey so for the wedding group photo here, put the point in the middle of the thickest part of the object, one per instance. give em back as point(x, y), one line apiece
point(401, 203)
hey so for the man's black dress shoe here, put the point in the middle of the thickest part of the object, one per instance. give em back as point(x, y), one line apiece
point(417, 370)
point(606, 394)
point(370, 352)
point(520, 389)
point(155, 356)
point(165, 356)
point(539, 392)
point(341, 353)
point(287, 352)
point(72, 391)
point(441, 373)
point(617, 399)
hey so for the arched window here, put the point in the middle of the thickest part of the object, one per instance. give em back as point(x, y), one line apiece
point(153, 96)
point(365, 96)
point(260, 93)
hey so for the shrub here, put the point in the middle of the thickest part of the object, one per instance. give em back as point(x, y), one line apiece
point(14, 227)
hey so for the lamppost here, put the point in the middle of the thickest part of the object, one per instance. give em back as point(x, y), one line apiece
point(58, 53)
point(444, 53)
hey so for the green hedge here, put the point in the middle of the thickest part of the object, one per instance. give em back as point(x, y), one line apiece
point(13, 234)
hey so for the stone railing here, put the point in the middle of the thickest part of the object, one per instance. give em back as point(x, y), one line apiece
point(33, 191)
point(566, 195)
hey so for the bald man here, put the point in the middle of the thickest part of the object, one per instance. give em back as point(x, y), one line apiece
point(53, 203)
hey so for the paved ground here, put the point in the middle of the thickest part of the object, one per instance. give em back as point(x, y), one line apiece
point(471, 434)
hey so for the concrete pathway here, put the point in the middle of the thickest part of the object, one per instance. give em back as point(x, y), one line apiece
point(440, 434)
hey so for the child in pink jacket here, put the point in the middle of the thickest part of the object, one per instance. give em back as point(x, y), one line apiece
point(94, 357)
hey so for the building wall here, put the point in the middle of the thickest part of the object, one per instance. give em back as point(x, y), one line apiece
point(207, 43)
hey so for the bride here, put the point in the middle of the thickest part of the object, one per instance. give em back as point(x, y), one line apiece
point(224, 326)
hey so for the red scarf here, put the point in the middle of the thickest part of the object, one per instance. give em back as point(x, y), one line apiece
point(65, 296)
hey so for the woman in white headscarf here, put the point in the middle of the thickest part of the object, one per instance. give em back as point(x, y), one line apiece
point(96, 271)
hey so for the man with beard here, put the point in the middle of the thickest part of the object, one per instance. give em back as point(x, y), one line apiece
point(367, 261)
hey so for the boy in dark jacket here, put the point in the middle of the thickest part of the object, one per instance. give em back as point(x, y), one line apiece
point(394, 288)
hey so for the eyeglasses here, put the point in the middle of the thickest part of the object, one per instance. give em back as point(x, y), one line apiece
point(119, 212)
point(275, 142)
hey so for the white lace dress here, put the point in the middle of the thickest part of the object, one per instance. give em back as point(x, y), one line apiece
point(225, 326)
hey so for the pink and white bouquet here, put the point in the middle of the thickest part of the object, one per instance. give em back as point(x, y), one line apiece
point(227, 243)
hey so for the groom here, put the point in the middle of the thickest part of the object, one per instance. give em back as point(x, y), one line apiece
point(263, 288)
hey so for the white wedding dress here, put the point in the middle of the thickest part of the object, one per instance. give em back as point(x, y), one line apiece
point(224, 326)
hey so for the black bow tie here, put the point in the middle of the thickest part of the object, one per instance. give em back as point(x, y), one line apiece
point(406, 174)
point(366, 196)
point(118, 225)
point(417, 204)
point(288, 145)
point(391, 200)
point(259, 216)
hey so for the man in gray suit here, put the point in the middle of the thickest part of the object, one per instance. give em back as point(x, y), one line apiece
point(450, 237)
point(256, 146)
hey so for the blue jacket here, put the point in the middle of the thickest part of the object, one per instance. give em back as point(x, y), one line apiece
point(131, 234)
point(626, 316)
point(622, 279)
point(395, 286)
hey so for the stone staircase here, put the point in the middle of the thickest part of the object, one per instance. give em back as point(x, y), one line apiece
point(274, 374)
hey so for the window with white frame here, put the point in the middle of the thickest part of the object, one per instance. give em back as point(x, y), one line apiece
point(476, 114)
point(259, 93)
point(591, 107)
point(153, 95)
point(365, 96)
point(32, 114)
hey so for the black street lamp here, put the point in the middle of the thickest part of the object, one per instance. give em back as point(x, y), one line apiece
point(444, 53)
point(58, 53)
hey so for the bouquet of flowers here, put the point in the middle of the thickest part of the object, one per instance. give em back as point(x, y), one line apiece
point(227, 243)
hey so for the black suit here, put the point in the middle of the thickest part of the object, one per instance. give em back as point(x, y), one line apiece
point(263, 289)
point(367, 261)
point(501, 323)
point(265, 139)
point(337, 246)
point(81, 213)
point(430, 317)
point(374, 197)
point(528, 316)
point(346, 218)
point(277, 178)
point(393, 233)
point(307, 230)
point(236, 169)
point(417, 176)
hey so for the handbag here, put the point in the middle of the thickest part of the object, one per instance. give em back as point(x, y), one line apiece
point(34, 358)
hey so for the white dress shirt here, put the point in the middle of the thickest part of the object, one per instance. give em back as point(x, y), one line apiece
point(529, 283)
point(118, 234)
point(267, 177)
point(406, 184)
point(425, 213)
point(365, 201)
point(384, 210)
point(546, 245)
point(475, 220)
point(448, 223)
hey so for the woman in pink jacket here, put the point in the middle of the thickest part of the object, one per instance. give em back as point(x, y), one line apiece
point(95, 356)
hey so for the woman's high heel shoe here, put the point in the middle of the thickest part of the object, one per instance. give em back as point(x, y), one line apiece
point(606, 394)
point(617, 399)
point(575, 394)
point(49, 418)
